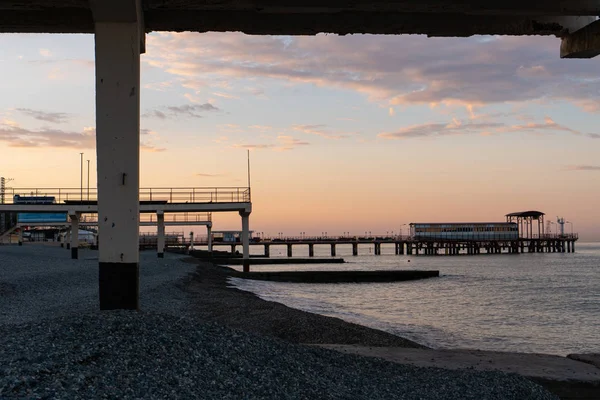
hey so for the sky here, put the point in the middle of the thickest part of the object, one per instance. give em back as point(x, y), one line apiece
point(357, 133)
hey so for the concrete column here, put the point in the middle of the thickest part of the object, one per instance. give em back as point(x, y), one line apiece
point(311, 250)
point(118, 150)
point(354, 249)
point(401, 248)
point(267, 250)
point(21, 236)
point(209, 238)
point(68, 239)
point(74, 236)
point(160, 234)
point(332, 249)
point(289, 250)
point(246, 239)
point(573, 246)
point(233, 249)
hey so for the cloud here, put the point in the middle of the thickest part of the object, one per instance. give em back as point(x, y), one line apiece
point(320, 130)
point(226, 95)
point(210, 175)
point(186, 110)
point(45, 53)
point(289, 143)
point(14, 135)
point(283, 143)
point(17, 136)
point(159, 86)
point(583, 168)
point(389, 68)
point(253, 146)
point(53, 117)
point(459, 127)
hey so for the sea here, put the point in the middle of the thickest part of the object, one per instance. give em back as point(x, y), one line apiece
point(534, 303)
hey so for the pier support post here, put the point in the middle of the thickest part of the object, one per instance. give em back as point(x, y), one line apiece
point(573, 246)
point(209, 238)
point(118, 38)
point(21, 236)
point(311, 250)
point(267, 250)
point(332, 249)
point(401, 248)
point(354, 249)
point(68, 239)
point(246, 239)
point(289, 250)
point(233, 249)
point(74, 235)
point(160, 234)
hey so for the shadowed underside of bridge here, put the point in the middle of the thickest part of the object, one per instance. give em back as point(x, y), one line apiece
point(561, 18)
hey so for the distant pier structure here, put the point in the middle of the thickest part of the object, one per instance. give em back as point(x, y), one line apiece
point(522, 232)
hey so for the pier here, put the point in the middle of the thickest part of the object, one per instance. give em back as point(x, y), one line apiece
point(407, 245)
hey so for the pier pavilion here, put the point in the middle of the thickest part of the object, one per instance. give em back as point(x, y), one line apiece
point(119, 27)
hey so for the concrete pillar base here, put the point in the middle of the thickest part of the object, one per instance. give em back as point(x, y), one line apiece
point(68, 246)
point(20, 243)
point(119, 286)
point(161, 255)
point(246, 266)
point(74, 253)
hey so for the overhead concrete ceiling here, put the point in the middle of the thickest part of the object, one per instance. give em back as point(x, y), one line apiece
point(308, 17)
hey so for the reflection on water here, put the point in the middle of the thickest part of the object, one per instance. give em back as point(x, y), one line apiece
point(545, 303)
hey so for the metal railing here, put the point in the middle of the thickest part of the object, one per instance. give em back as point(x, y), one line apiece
point(169, 217)
point(170, 195)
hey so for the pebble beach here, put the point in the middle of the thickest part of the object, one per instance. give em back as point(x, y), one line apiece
point(194, 337)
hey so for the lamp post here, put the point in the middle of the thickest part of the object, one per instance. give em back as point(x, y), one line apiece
point(401, 229)
point(88, 181)
point(569, 222)
point(81, 176)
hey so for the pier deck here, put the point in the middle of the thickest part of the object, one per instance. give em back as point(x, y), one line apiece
point(548, 243)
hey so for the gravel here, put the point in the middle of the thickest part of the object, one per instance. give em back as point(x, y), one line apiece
point(54, 343)
point(38, 281)
point(130, 355)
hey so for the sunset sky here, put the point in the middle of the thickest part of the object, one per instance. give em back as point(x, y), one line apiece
point(348, 134)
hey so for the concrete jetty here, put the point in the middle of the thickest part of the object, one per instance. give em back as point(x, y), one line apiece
point(338, 276)
point(564, 376)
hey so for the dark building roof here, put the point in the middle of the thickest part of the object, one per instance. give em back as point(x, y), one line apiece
point(534, 214)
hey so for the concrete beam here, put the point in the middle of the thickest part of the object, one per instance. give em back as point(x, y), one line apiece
point(246, 240)
point(349, 22)
point(584, 43)
point(144, 208)
point(118, 151)
point(120, 11)
point(160, 242)
point(74, 235)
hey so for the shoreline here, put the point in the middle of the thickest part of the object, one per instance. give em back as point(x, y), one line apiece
point(213, 299)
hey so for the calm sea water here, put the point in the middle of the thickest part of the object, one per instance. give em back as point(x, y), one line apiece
point(543, 303)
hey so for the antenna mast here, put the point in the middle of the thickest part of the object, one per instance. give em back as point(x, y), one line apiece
point(248, 168)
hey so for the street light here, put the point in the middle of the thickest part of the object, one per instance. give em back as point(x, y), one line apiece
point(81, 176)
point(401, 229)
point(88, 181)
point(569, 222)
